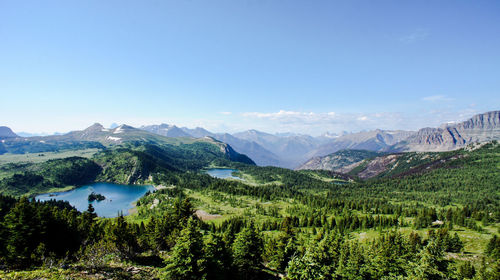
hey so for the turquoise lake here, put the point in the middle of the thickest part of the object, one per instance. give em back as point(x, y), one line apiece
point(119, 198)
point(222, 173)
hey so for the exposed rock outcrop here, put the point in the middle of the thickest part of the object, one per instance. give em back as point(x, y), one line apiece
point(480, 128)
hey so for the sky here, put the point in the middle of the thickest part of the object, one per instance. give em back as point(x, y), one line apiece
point(230, 65)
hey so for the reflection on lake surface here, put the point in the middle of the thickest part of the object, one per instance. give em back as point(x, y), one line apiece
point(119, 198)
point(222, 173)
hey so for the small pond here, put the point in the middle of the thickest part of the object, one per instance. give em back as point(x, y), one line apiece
point(222, 173)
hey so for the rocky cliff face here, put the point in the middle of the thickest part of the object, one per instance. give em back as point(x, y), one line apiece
point(342, 161)
point(375, 140)
point(479, 128)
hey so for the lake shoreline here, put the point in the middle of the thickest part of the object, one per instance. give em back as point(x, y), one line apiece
point(120, 198)
point(222, 173)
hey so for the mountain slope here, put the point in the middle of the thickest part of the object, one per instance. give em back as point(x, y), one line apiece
point(256, 152)
point(291, 150)
point(403, 164)
point(6, 132)
point(52, 174)
point(197, 132)
point(166, 130)
point(341, 161)
point(480, 128)
point(138, 158)
point(376, 140)
point(96, 136)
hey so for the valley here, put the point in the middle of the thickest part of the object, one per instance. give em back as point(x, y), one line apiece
point(359, 213)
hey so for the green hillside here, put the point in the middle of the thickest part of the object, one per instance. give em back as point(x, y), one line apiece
point(431, 216)
point(128, 163)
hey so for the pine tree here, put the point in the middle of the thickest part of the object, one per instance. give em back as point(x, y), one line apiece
point(432, 264)
point(304, 268)
point(187, 261)
point(122, 236)
point(218, 258)
point(22, 231)
point(493, 247)
point(466, 271)
point(247, 252)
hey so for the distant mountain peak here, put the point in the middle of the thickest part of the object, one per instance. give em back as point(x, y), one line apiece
point(6, 132)
point(479, 128)
point(166, 130)
point(95, 126)
point(122, 128)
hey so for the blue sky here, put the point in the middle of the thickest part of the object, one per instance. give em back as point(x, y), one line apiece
point(299, 66)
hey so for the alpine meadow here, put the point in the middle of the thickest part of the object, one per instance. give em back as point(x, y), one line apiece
point(253, 140)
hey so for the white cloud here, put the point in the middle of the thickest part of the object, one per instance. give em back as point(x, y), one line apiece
point(317, 123)
point(417, 35)
point(437, 98)
point(225, 113)
point(282, 114)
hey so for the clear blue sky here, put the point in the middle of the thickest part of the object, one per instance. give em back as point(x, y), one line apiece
point(302, 66)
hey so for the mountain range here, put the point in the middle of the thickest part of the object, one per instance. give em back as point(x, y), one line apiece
point(294, 150)
point(478, 129)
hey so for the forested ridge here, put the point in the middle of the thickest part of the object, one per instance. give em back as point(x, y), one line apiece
point(433, 220)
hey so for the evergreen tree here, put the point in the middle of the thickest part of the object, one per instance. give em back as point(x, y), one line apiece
point(432, 264)
point(493, 247)
point(247, 252)
point(304, 268)
point(23, 231)
point(466, 270)
point(280, 250)
point(218, 258)
point(352, 262)
point(187, 261)
point(120, 233)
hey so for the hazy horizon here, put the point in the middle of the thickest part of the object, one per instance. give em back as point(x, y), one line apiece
point(114, 124)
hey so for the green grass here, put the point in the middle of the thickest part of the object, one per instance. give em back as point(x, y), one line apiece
point(65, 189)
point(474, 242)
point(45, 156)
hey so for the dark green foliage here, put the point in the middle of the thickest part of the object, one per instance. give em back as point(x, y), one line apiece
point(55, 173)
point(279, 251)
point(70, 171)
point(247, 252)
point(445, 241)
point(218, 258)
point(493, 247)
point(162, 231)
point(432, 264)
point(309, 238)
point(304, 268)
point(187, 261)
point(123, 236)
point(466, 270)
point(95, 196)
point(33, 231)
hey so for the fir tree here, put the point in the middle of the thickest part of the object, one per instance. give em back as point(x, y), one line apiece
point(247, 252)
point(187, 261)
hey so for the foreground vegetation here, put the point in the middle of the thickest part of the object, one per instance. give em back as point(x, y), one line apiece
point(429, 220)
